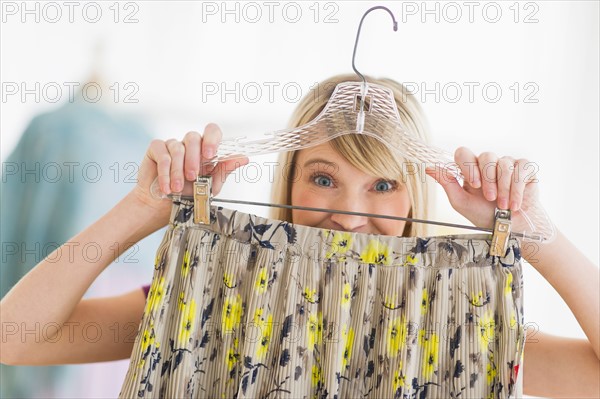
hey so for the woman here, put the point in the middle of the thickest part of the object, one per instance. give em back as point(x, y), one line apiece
point(349, 173)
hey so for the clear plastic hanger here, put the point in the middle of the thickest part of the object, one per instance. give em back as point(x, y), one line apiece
point(370, 109)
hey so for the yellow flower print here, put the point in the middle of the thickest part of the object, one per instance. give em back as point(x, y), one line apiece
point(310, 295)
point(228, 280)
point(422, 340)
point(155, 295)
point(266, 338)
point(231, 359)
point(513, 320)
point(232, 355)
point(316, 375)
point(340, 244)
point(396, 336)
point(376, 253)
point(348, 340)
point(147, 339)
point(486, 326)
point(476, 299)
point(399, 379)
point(265, 327)
point(346, 295)
point(431, 347)
point(424, 301)
point(188, 315)
point(508, 287)
point(492, 372)
point(391, 302)
point(181, 300)
point(262, 281)
point(410, 260)
point(185, 265)
point(258, 316)
point(232, 312)
point(314, 326)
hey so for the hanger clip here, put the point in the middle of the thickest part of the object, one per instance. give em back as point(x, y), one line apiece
point(202, 194)
point(501, 232)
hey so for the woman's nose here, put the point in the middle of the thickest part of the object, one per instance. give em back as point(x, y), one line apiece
point(349, 222)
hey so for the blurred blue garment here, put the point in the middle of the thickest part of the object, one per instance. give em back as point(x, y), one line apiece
point(69, 168)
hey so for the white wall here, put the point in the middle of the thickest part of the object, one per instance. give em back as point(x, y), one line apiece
point(176, 48)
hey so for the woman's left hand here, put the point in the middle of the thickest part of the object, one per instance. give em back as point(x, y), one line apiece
point(490, 182)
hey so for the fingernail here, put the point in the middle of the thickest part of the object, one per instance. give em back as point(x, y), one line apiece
point(210, 152)
point(491, 194)
point(190, 175)
point(514, 206)
point(503, 204)
point(177, 185)
point(476, 183)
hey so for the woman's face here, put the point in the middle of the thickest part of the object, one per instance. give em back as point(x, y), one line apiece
point(324, 179)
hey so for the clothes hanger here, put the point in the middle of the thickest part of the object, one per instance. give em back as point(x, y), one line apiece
point(370, 109)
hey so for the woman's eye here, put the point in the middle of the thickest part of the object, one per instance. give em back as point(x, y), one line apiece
point(383, 186)
point(322, 181)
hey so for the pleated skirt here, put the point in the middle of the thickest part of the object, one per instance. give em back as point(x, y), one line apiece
point(251, 307)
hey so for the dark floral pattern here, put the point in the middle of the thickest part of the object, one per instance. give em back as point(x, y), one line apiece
point(250, 307)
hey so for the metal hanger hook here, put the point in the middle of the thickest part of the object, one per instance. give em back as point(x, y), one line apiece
point(358, 35)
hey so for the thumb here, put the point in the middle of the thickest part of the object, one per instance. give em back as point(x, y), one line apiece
point(223, 169)
point(455, 192)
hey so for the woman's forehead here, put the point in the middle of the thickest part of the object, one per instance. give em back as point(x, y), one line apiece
point(370, 161)
point(320, 154)
point(324, 158)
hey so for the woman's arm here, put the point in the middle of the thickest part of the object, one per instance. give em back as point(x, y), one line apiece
point(575, 278)
point(553, 366)
point(47, 296)
point(47, 303)
point(558, 366)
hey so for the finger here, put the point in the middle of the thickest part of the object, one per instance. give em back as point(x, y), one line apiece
point(504, 171)
point(467, 162)
point(191, 163)
point(223, 169)
point(519, 182)
point(456, 194)
point(159, 154)
point(487, 162)
point(210, 140)
point(177, 152)
point(531, 169)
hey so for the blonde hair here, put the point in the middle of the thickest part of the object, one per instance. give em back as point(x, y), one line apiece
point(363, 152)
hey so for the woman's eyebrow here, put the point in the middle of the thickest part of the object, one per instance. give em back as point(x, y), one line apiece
point(320, 160)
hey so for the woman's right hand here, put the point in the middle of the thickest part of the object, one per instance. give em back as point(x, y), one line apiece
point(178, 163)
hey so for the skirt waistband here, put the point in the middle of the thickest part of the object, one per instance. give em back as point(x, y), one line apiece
point(462, 250)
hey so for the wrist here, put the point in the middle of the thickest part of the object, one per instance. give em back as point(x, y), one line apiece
point(540, 254)
point(145, 215)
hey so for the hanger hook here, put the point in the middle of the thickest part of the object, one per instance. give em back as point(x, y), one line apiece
point(358, 35)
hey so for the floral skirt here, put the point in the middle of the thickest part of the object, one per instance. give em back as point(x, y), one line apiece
point(250, 307)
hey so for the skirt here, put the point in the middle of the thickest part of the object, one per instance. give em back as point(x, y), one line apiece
point(251, 307)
